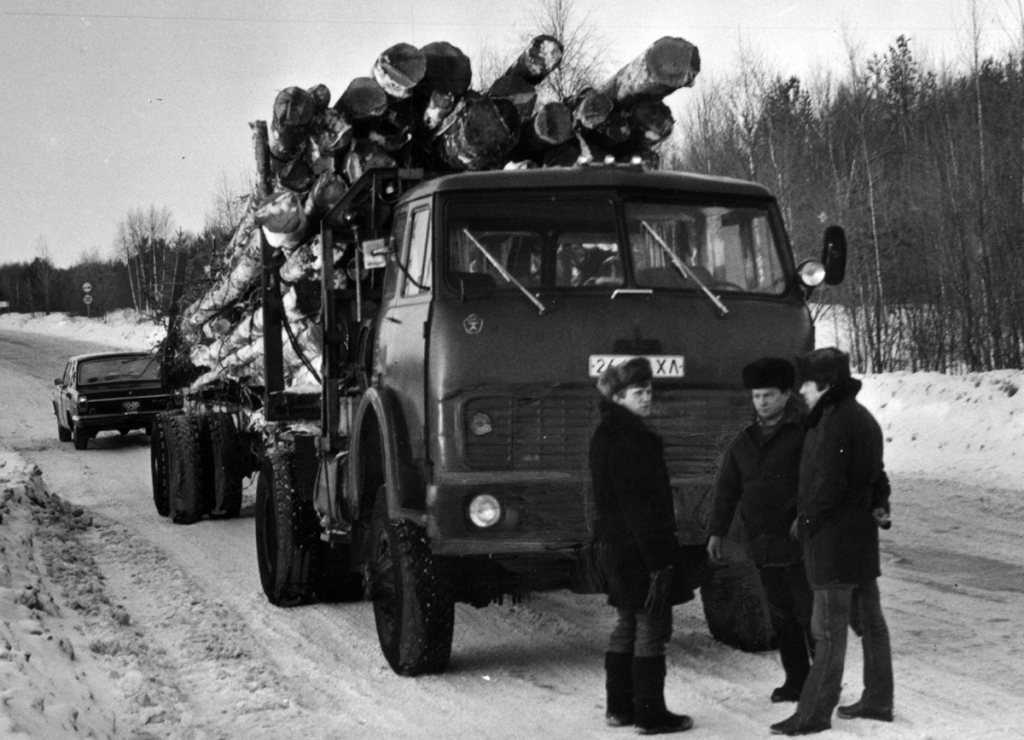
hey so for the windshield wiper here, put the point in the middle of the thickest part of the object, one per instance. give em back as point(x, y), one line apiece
point(683, 268)
point(505, 273)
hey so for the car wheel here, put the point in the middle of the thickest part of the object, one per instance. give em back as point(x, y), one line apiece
point(63, 433)
point(80, 437)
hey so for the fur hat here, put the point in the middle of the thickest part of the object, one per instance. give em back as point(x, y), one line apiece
point(769, 372)
point(618, 377)
point(826, 366)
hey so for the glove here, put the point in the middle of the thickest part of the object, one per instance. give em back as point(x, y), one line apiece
point(659, 592)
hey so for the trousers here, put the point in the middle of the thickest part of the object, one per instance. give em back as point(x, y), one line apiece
point(830, 623)
point(790, 604)
point(641, 634)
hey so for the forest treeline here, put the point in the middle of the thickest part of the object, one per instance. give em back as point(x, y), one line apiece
point(923, 168)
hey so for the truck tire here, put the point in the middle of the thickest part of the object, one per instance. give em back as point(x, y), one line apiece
point(158, 466)
point(63, 434)
point(288, 546)
point(185, 470)
point(80, 437)
point(412, 602)
point(224, 467)
point(735, 606)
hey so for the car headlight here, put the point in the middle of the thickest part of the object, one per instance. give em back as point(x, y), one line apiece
point(484, 510)
point(83, 404)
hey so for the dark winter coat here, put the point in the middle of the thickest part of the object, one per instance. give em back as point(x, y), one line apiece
point(841, 477)
point(635, 526)
point(760, 473)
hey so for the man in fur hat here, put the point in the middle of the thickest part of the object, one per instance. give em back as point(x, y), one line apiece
point(842, 501)
point(637, 550)
point(760, 474)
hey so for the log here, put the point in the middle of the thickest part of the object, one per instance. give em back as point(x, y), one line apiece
point(538, 60)
point(364, 155)
point(362, 99)
point(590, 109)
point(293, 112)
point(302, 263)
point(516, 90)
point(438, 106)
point(393, 129)
point(297, 173)
point(399, 69)
point(321, 95)
point(650, 122)
point(261, 148)
point(566, 154)
point(667, 65)
point(283, 220)
point(548, 127)
point(448, 70)
point(328, 189)
point(477, 135)
point(331, 131)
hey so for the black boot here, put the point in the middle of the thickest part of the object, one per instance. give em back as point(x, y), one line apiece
point(649, 712)
point(618, 683)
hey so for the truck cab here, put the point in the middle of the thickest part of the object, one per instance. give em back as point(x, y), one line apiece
point(459, 433)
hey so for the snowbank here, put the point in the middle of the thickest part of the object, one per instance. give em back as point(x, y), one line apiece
point(121, 329)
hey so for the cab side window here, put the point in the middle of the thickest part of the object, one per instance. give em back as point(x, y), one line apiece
point(416, 257)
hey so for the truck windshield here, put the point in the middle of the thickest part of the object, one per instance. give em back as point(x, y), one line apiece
point(571, 241)
point(726, 248)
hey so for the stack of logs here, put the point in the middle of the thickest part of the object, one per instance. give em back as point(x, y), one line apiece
point(415, 110)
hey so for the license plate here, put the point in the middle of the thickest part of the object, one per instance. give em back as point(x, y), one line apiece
point(664, 366)
point(130, 407)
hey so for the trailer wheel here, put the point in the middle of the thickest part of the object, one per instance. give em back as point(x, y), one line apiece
point(80, 437)
point(287, 545)
point(412, 603)
point(185, 470)
point(735, 606)
point(225, 469)
point(158, 463)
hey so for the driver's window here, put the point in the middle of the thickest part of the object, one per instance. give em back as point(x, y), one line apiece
point(418, 261)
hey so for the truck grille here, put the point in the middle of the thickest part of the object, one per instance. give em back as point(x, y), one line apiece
point(552, 431)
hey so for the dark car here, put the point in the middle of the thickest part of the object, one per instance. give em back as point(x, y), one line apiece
point(108, 391)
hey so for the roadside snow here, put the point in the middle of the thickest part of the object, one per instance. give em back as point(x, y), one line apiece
point(118, 329)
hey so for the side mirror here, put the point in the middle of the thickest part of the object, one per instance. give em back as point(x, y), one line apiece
point(833, 255)
point(56, 382)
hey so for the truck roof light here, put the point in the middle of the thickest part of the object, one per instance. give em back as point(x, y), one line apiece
point(484, 511)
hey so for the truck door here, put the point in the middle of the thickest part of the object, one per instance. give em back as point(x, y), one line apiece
point(401, 357)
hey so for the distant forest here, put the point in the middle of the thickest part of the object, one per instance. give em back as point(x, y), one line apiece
point(923, 168)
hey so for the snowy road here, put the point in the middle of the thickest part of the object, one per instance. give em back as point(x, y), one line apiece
point(223, 663)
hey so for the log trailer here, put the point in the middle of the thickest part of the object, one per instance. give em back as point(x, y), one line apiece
point(465, 318)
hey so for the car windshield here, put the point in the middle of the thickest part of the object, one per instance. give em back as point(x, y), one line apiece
point(139, 368)
point(725, 248)
point(571, 241)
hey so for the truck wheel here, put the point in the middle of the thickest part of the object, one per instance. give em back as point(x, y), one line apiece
point(63, 434)
point(287, 545)
point(184, 471)
point(735, 606)
point(412, 604)
point(224, 471)
point(80, 437)
point(158, 464)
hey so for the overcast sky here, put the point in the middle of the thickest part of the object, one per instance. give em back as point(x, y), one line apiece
point(109, 105)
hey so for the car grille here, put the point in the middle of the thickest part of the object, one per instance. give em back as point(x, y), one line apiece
point(552, 431)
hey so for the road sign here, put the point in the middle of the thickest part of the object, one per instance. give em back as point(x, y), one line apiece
point(86, 287)
point(87, 299)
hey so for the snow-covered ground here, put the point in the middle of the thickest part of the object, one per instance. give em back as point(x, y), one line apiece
point(957, 640)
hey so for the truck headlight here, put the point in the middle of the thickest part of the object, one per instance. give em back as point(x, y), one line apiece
point(484, 510)
point(83, 404)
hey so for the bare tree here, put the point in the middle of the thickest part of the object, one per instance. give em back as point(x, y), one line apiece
point(142, 242)
point(43, 272)
point(229, 201)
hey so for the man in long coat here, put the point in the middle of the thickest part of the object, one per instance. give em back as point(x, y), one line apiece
point(639, 554)
point(759, 475)
point(839, 511)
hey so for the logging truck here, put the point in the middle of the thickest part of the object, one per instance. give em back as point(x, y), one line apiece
point(443, 456)
point(402, 347)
